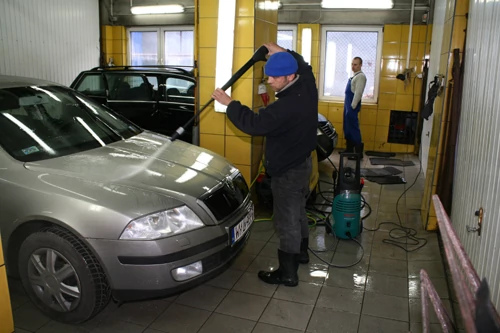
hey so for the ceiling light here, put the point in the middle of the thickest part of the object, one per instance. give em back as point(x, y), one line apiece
point(165, 9)
point(368, 4)
point(269, 5)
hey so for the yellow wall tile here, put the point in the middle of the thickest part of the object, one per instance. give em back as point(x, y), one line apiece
point(209, 8)
point(207, 61)
point(233, 130)
point(213, 142)
point(383, 117)
point(212, 122)
point(461, 7)
point(6, 317)
point(339, 128)
point(246, 172)
point(387, 101)
point(323, 109)
point(336, 114)
point(381, 133)
point(403, 102)
point(367, 117)
point(391, 50)
point(238, 149)
point(390, 67)
point(459, 26)
point(242, 91)
point(208, 32)
point(206, 87)
point(392, 33)
point(398, 148)
point(245, 8)
point(388, 84)
point(244, 32)
point(403, 51)
point(118, 32)
point(367, 132)
point(240, 57)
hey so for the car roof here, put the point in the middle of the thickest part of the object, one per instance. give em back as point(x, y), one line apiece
point(10, 81)
point(159, 69)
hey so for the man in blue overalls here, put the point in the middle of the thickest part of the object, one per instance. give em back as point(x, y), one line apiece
point(352, 106)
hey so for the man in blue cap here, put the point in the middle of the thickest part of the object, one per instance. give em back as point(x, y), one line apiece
point(289, 125)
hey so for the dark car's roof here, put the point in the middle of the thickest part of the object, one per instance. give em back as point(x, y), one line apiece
point(8, 81)
point(144, 69)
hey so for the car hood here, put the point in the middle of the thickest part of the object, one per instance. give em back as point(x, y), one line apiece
point(146, 161)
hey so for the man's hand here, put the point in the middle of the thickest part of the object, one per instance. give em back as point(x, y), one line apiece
point(274, 48)
point(220, 96)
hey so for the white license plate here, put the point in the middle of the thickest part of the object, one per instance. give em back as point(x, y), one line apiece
point(241, 228)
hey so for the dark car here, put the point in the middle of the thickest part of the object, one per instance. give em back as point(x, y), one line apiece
point(156, 98)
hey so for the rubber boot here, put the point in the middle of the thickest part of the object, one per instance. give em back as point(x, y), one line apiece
point(304, 254)
point(286, 274)
point(349, 147)
point(359, 150)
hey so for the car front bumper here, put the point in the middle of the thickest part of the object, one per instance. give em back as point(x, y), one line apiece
point(143, 269)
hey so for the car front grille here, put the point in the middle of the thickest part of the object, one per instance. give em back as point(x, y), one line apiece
point(328, 129)
point(228, 198)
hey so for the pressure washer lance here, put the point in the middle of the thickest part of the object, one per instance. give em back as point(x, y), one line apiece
point(259, 55)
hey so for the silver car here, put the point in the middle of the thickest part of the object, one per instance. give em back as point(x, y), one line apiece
point(94, 207)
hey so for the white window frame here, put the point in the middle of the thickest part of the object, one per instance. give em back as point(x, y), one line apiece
point(293, 28)
point(160, 31)
point(380, 39)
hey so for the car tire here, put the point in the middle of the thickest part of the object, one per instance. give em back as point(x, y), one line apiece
point(62, 277)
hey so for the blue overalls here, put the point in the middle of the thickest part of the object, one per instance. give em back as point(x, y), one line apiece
point(351, 122)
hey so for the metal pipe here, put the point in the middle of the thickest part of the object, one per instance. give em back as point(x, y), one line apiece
point(410, 33)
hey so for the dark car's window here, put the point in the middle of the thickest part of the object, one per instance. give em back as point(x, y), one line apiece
point(129, 87)
point(180, 90)
point(44, 122)
point(92, 85)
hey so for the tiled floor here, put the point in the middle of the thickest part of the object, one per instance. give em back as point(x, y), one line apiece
point(379, 294)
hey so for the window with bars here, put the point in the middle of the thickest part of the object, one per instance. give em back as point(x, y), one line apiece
point(339, 45)
point(161, 46)
point(287, 36)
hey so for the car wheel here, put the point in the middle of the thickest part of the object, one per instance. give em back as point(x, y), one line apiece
point(62, 277)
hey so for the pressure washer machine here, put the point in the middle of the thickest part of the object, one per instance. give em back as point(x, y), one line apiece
point(346, 206)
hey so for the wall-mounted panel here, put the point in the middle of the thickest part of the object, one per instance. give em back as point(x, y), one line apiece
point(51, 39)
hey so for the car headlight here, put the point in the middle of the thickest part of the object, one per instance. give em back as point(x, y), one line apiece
point(162, 224)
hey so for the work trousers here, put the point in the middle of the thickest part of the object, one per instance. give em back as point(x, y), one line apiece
point(289, 205)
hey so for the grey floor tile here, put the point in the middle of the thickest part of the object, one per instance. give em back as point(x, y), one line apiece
point(352, 247)
point(180, 318)
point(270, 250)
point(370, 324)
point(385, 306)
point(20, 330)
point(274, 238)
point(384, 250)
point(250, 283)
point(346, 278)
point(253, 246)
point(243, 261)
point(117, 326)
point(350, 261)
point(108, 311)
point(340, 299)
point(287, 314)
point(387, 285)
point(312, 272)
point(243, 305)
point(417, 328)
point(140, 313)
point(263, 263)
point(219, 323)
point(17, 300)
point(391, 217)
point(440, 284)
point(29, 318)
point(150, 330)
point(305, 293)
point(56, 327)
point(416, 311)
point(388, 267)
point(204, 297)
point(433, 268)
point(227, 279)
point(262, 231)
point(266, 328)
point(327, 321)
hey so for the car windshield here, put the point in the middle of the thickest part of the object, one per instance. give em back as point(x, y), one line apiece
point(42, 122)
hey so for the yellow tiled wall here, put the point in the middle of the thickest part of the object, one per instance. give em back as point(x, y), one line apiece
point(6, 319)
point(114, 44)
point(453, 38)
point(374, 118)
point(253, 27)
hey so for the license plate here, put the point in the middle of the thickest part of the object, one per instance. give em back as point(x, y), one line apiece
point(241, 228)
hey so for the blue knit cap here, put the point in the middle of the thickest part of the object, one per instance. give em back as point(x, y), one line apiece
point(281, 64)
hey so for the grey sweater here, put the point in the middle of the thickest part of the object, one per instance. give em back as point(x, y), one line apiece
point(358, 84)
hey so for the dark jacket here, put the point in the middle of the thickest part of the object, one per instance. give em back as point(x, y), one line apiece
point(289, 124)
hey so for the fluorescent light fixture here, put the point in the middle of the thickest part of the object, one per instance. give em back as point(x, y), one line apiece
point(268, 5)
point(225, 47)
point(367, 4)
point(306, 44)
point(165, 9)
